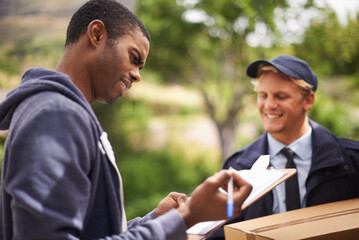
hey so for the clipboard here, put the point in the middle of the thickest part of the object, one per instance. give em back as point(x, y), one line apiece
point(289, 172)
point(214, 225)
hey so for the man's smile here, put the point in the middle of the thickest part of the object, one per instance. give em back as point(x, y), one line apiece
point(272, 116)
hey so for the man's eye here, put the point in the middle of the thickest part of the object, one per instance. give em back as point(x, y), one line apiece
point(133, 58)
point(282, 97)
point(262, 96)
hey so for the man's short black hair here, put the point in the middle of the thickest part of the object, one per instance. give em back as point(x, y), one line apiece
point(118, 20)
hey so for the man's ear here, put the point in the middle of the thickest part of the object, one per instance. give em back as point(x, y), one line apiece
point(309, 101)
point(96, 32)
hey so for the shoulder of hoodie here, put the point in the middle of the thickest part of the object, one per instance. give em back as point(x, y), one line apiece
point(54, 102)
point(74, 119)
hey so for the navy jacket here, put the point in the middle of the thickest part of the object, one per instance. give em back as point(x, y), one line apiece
point(333, 176)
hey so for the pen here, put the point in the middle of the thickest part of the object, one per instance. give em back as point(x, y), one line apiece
point(230, 203)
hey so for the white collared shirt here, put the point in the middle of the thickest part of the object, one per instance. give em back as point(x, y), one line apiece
point(302, 148)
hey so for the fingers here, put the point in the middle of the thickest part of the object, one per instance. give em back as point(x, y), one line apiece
point(208, 203)
point(243, 190)
point(219, 179)
point(238, 180)
point(172, 200)
point(181, 198)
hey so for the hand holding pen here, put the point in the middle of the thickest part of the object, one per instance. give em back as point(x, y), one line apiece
point(208, 203)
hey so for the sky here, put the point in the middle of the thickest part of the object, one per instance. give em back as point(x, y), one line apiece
point(344, 7)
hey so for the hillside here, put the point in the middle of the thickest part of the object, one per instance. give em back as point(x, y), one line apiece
point(53, 7)
point(21, 19)
point(29, 27)
point(31, 7)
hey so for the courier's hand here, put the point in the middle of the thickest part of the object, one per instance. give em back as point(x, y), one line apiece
point(173, 200)
point(208, 203)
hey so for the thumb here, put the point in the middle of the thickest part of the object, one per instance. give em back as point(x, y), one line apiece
point(181, 199)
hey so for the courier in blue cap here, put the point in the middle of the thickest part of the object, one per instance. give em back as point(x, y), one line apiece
point(326, 165)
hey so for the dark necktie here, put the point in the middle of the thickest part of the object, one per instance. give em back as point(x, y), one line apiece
point(291, 184)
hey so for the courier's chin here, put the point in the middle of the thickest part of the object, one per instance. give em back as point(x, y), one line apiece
point(272, 124)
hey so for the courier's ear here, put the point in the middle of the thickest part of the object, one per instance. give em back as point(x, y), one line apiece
point(96, 33)
point(309, 101)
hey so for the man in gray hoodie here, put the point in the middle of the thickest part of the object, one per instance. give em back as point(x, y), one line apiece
point(60, 179)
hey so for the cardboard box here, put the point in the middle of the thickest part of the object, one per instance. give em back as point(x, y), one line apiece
point(332, 221)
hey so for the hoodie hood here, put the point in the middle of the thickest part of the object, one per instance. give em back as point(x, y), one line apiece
point(38, 80)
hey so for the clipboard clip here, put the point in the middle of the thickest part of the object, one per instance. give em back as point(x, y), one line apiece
point(262, 163)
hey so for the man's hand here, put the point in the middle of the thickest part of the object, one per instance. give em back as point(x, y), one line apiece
point(173, 200)
point(208, 203)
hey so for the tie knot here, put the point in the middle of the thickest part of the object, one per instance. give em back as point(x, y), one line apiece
point(288, 153)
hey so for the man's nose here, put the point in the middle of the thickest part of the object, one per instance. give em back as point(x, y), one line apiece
point(270, 102)
point(135, 75)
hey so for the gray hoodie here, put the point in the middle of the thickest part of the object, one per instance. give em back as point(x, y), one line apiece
point(59, 176)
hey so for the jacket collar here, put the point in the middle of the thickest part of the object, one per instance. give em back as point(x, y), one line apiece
point(327, 151)
point(252, 152)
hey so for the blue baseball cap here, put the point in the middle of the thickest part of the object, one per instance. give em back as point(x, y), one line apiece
point(288, 65)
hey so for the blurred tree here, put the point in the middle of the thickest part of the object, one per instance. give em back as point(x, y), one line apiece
point(122, 120)
point(335, 115)
point(335, 50)
point(203, 43)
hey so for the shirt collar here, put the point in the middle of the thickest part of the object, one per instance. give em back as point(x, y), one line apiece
point(302, 146)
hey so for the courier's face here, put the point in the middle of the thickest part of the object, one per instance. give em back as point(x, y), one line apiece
point(282, 107)
point(118, 66)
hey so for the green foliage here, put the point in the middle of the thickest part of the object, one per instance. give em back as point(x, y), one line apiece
point(330, 46)
point(210, 54)
point(2, 149)
point(122, 120)
point(37, 50)
point(9, 66)
point(149, 176)
point(353, 87)
point(180, 48)
point(336, 116)
point(170, 37)
point(332, 49)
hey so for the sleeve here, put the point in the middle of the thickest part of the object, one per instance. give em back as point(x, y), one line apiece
point(151, 215)
point(46, 177)
point(352, 149)
point(169, 226)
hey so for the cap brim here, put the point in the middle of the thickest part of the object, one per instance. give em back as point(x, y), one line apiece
point(252, 69)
